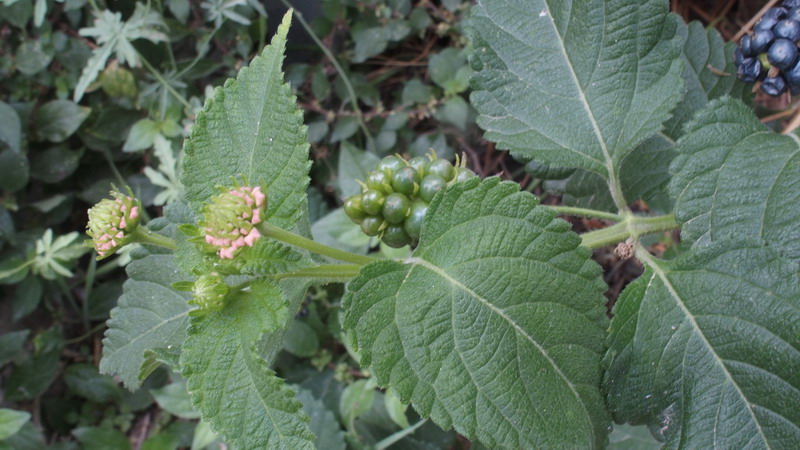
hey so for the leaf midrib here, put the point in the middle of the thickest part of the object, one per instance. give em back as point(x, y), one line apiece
point(646, 258)
point(510, 321)
point(581, 95)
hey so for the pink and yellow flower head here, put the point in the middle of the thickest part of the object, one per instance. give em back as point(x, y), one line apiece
point(111, 223)
point(230, 219)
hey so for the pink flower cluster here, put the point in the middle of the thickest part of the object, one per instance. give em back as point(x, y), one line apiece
point(233, 223)
point(111, 222)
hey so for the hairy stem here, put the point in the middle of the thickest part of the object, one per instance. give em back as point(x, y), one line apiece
point(342, 272)
point(584, 212)
point(631, 227)
point(315, 247)
point(144, 236)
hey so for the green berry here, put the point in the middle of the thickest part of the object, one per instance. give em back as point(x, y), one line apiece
point(395, 236)
point(441, 168)
point(413, 223)
point(353, 208)
point(391, 164)
point(372, 202)
point(430, 185)
point(396, 208)
point(419, 163)
point(372, 225)
point(379, 181)
point(465, 174)
point(405, 181)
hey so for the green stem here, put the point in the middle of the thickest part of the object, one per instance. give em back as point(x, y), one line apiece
point(315, 247)
point(349, 86)
point(584, 212)
point(393, 438)
point(144, 236)
point(631, 227)
point(327, 271)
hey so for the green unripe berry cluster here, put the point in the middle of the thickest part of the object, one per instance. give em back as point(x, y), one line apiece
point(395, 196)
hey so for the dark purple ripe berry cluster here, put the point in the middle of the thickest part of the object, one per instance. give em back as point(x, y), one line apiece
point(395, 197)
point(770, 54)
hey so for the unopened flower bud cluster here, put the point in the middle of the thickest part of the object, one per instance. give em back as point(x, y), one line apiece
point(111, 222)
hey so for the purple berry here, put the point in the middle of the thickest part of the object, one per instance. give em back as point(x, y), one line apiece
point(787, 29)
point(745, 46)
point(765, 24)
point(776, 13)
point(773, 86)
point(749, 70)
point(792, 74)
point(761, 41)
point(782, 53)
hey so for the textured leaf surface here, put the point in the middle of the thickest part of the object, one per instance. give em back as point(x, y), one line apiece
point(494, 326)
point(231, 384)
point(734, 177)
point(706, 349)
point(704, 49)
point(643, 174)
point(575, 84)
point(252, 128)
point(150, 314)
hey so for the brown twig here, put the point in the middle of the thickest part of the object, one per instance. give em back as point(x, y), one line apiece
point(749, 25)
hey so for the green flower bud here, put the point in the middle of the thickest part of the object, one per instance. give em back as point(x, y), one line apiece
point(111, 223)
point(230, 218)
point(209, 292)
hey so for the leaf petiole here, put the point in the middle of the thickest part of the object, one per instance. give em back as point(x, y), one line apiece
point(584, 212)
point(342, 272)
point(630, 227)
point(290, 238)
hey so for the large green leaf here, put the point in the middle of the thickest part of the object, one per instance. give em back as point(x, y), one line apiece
point(706, 349)
point(644, 172)
point(574, 83)
point(252, 128)
point(734, 177)
point(709, 73)
point(494, 326)
point(150, 314)
point(231, 384)
point(643, 175)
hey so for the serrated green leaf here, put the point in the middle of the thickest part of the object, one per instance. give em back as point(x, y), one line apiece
point(627, 437)
point(643, 174)
point(11, 345)
point(84, 380)
point(705, 349)
point(229, 382)
point(323, 424)
point(11, 421)
point(733, 177)
point(10, 128)
point(150, 314)
point(174, 399)
point(498, 311)
point(703, 50)
point(101, 438)
point(574, 84)
point(59, 119)
point(252, 128)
